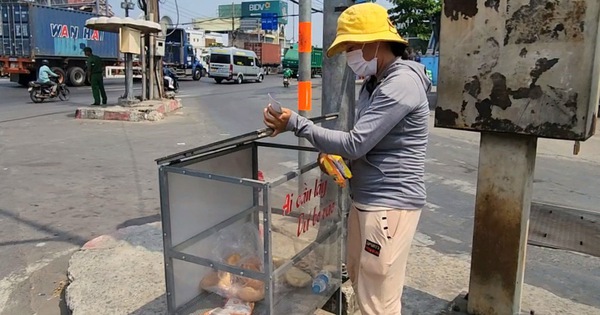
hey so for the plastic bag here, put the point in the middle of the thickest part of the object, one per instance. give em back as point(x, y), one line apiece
point(233, 307)
point(239, 246)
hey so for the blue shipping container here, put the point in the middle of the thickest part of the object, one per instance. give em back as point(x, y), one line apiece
point(431, 64)
point(36, 31)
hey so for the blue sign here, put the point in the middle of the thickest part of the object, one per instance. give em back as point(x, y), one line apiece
point(269, 21)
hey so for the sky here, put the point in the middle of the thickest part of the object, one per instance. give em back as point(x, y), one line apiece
point(189, 9)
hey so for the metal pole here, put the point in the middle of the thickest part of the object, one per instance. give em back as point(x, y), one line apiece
point(304, 70)
point(98, 7)
point(502, 204)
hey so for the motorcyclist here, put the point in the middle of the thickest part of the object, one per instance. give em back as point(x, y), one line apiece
point(168, 75)
point(44, 76)
point(287, 73)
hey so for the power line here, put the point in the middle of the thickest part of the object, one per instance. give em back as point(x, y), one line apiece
point(237, 17)
point(176, 24)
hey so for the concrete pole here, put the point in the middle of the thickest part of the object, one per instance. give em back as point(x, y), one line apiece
point(304, 70)
point(129, 97)
point(503, 200)
point(152, 84)
point(337, 76)
point(339, 86)
point(144, 42)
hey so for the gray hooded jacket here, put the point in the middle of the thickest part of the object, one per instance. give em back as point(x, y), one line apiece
point(388, 143)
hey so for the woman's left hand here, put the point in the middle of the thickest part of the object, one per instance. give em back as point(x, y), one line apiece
point(276, 121)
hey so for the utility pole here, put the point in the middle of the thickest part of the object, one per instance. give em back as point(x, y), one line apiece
point(338, 90)
point(337, 76)
point(232, 23)
point(128, 97)
point(304, 70)
point(153, 15)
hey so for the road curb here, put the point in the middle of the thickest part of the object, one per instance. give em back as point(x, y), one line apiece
point(144, 111)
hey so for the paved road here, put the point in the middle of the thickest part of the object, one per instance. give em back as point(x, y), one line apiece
point(65, 181)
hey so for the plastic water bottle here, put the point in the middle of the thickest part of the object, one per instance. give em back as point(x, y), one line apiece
point(321, 282)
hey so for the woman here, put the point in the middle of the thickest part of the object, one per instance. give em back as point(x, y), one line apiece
point(386, 149)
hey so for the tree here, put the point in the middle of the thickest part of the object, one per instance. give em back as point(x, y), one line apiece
point(413, 17)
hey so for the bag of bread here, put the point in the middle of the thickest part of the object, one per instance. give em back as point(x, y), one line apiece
point(238, 245)
point(233, 307)
point(238, 239)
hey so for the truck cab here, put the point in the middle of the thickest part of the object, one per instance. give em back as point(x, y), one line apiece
point(181, 56)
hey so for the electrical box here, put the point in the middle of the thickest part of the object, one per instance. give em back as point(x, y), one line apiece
point(520, 66)
point(160, 47)
point(129, 40)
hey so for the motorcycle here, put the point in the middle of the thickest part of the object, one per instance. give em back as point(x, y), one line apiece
point(287, 75)
point(171, 74)
point(38, 92)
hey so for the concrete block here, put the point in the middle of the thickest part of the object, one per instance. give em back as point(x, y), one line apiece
point(153, 110)
point(349, 301)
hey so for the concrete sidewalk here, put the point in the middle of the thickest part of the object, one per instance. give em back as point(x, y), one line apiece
point(123, 273)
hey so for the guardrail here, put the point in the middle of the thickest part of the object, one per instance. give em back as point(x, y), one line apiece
point(117, 72)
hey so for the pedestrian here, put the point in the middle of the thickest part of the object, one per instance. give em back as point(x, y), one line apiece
point(95, 74)
point(386, 149)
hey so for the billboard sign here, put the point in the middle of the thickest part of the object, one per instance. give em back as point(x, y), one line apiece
point(255, 9)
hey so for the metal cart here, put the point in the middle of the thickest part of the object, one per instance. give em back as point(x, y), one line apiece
point(245, 196)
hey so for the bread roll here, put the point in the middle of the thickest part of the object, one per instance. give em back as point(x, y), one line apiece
point(297, 278)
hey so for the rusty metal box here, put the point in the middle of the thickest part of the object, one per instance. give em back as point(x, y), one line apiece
point(520, 66)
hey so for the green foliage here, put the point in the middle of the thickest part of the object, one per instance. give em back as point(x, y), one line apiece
point(413, 17)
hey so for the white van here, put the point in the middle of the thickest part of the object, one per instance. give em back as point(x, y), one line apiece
point(233, 64)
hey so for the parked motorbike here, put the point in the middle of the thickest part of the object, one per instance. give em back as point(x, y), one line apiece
point(40, 92)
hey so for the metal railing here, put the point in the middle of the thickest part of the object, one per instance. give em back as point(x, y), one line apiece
point(117, 72)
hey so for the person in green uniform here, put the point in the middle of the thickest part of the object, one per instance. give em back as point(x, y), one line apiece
point(95, 73)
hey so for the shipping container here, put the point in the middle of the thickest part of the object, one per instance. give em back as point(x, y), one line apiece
point(291, 57)
point(269, 54)
point(31, 33)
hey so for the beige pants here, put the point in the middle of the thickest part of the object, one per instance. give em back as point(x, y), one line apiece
point(377, 249)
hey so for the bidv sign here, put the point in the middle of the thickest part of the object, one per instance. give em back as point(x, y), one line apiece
point(259, 7)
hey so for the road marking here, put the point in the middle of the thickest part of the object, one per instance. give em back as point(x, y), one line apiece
point(460, 185)
point(8, 284)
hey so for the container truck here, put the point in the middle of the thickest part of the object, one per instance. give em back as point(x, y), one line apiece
point(269, 54)
point(181, 56)
point(31, 33)
point(290, 60)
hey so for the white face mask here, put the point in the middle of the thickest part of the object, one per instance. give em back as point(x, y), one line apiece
point(359, 65)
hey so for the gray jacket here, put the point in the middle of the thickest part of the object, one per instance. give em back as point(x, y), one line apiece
point(387, 145)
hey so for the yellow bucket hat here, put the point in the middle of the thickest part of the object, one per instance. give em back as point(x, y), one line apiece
point(364, 23)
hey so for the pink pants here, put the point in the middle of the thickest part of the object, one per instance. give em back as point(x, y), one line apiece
point(377, 250)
